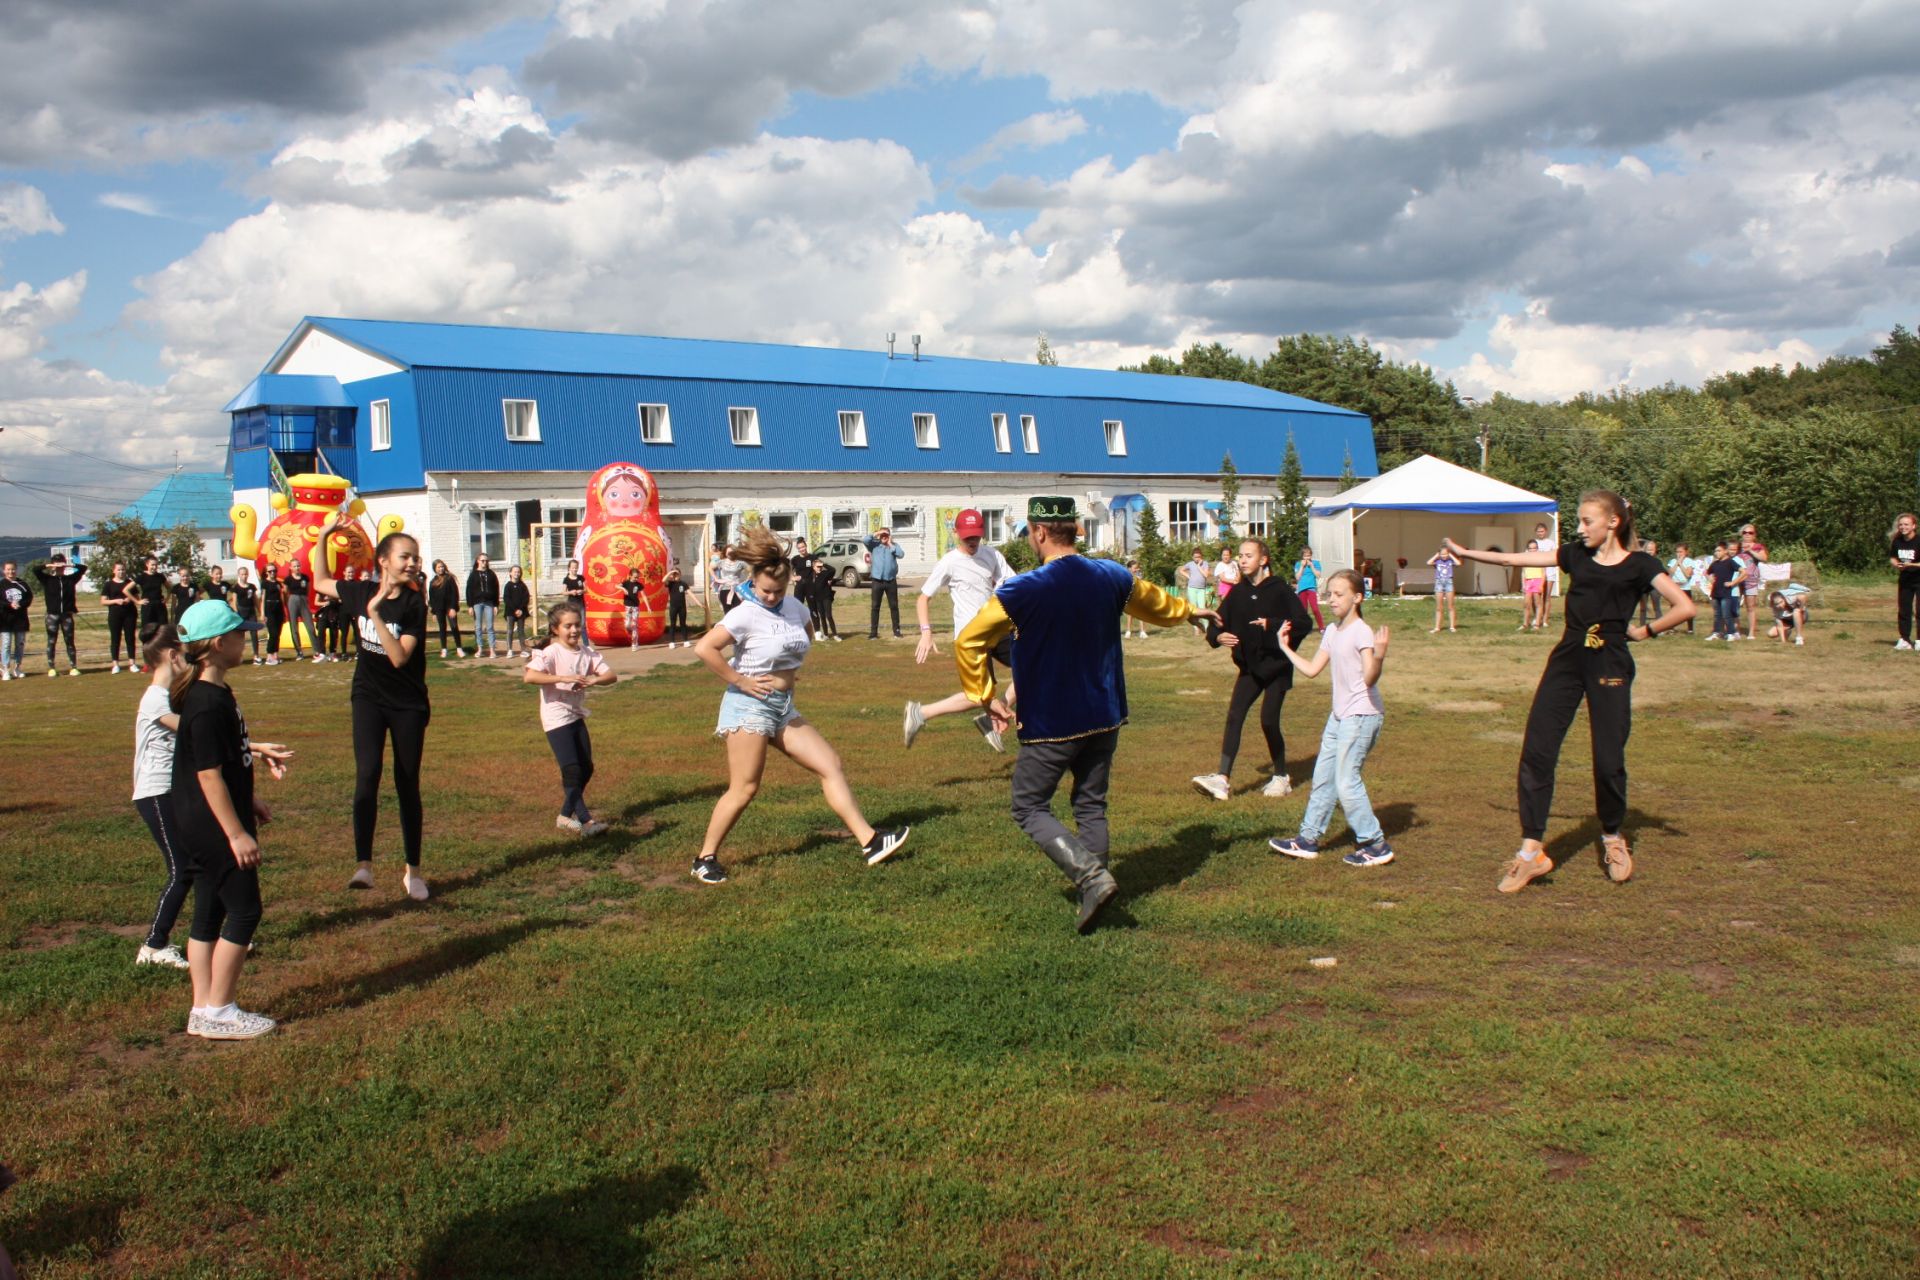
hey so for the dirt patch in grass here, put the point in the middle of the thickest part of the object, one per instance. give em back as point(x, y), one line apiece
point(1563, 1164)
point(1177, 1238)
point(1711, 975)
point(136, 1056)
point(1440, 1242)
point(45, 937)
point(1268, 1100)
point(1468, 706)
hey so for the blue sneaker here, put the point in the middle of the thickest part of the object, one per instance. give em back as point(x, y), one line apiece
point(1295, 847)
point(1374, 853)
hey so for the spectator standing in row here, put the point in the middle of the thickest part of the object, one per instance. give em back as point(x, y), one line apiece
point(153, 593)
point(1753, 553)
point(59, 588)
point(1306, 581)
point(516, 601)
point(678, 632)
point(1723, 587)
point(821, 605)
point(885, 568)
point(123, 616)
point(483, 598)
point(1193, 579)
point(296, 588)
point(574, 585)
point(726, 574)
point(1650, 608)
point(181, 595)
point(1685, 569)
point(16, 606)
point(246, 603)
point(443, 602)
point(1903, 553)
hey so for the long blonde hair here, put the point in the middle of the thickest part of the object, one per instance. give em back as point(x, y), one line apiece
point(762, 553)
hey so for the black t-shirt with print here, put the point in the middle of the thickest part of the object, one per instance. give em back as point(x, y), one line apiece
point(212, 735)
point(220, 591)
point(114, 591)
point(375, 678)
point(574, 585)
point(1606, 594)
point(296, 587)
point(630, 594)
point(676, 591)
point(16, 603)
point(246, 599)
point(183, 595)
point(273, 599)
point(1907, 552)
point(153, 590)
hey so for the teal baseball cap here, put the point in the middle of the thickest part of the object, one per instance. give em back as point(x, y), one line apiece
point(210, 619)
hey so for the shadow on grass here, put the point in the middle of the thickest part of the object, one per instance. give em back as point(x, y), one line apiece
point(429, 966)
point(58, 1231)
point(593, 1230)
point(1586, 837)
point(832, 836)
point(1163, 865)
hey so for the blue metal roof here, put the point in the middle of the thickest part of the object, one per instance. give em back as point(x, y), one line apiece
point(456, 346)
point(202, 498)
point(292, 390)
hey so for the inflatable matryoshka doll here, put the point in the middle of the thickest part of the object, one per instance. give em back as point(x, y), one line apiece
point(622, 531)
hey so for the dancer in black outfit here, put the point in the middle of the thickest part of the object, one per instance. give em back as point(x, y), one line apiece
point(822, 602)
point(273, 607)
point(1251, 616)
point(246, 603)
point(443, 601)
point(678, 632)
point(1903, 553)
point(389, 694)
point(1591, 664)
point(153, 593)
point(122, 599)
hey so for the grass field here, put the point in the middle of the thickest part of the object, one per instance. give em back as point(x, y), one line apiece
point(575, 1061)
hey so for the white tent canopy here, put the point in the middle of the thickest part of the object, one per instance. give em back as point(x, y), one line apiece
point(1404, 513)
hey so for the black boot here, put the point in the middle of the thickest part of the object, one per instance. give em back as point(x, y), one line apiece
point(1088, 871)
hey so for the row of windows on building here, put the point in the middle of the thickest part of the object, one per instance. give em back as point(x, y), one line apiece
point(521, 419)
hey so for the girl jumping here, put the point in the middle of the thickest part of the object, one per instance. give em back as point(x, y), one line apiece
point(1590, 663)
point(770, 634)
point(565, 668)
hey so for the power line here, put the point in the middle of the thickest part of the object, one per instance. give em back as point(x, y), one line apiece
point(94, 457)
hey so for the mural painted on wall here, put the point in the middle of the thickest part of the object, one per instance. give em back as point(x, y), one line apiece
point(816, 524)
point(622, 531)
point(876, 519)
point(944, 540)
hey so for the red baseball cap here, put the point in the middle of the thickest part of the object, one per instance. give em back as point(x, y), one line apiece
point(969, 524)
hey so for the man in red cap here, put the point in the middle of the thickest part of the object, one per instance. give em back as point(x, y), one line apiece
point(970, 573)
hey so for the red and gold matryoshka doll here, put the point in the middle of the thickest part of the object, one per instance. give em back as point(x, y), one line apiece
point(622, 531)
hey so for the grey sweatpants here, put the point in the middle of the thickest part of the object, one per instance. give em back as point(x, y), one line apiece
point(1036, 776)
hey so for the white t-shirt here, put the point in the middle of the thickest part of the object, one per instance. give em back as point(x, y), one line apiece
point(970, 579)
point(152, 745)
point(1226, 571)
point(728, 574)
point(767, 639)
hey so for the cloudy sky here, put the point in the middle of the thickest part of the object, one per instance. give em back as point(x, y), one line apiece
point(1538, 198)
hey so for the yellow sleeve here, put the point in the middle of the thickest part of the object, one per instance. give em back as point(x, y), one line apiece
point(1150, 604)
point(973, 645)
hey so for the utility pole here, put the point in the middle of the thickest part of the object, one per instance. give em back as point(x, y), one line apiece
point(1486, 432)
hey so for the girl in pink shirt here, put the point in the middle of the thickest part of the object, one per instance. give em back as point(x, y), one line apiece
point(565, 669)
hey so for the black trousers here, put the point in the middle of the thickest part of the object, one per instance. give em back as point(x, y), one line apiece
point(449, 621)
point(1273, 696)
point(60, 625)
point(152, 611)
point(891, 590)
point(157, 813)
point(573, 752)
point(1603, 679)
point(1036, 776)
point(373, 725)
point(823, 622)
point(226, 898)
point(276, 621)
point(1909, 604)
point(123, 623)
point(677, 628)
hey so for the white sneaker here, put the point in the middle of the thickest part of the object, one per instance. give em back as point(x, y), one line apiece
point(912, 723)
point(1214, 784)
point(1279, 785)
point(6, 675)
point(116, 668)
point(593, 827)
point(169, 956)
point(564, 823)
point(984, 723)
point(1800, 640)
point(241, 1026)
point(52, 672)
point(362, 877)
point(1902, 644)
point(414, 884)
point(74, 672)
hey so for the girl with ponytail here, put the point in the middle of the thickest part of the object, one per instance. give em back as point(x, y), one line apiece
point(1590, 664)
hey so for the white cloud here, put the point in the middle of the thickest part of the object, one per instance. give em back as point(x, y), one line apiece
point(1041, 129)
point(24, 211)
point(131, 202)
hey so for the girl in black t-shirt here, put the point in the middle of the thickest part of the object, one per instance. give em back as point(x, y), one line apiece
point(273, 609)
point(630, 591)
point(822, 602)
point(246, 603)
point(575, 585)
point(216, 818)
point(1590, 664)
point(122, 599)
point(389, 696)
point(678, 632)
point(1903, 553)
point(516, 602)
point(443, 601)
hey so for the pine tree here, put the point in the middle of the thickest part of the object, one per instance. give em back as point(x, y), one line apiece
point(1155, 559)
point(1347, 478)
point(1229, 497)
point(1043, 353)
point(1291, 511)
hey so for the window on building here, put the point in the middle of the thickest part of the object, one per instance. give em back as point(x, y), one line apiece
point(1259, 517)
point(487, 534)
point(333, 428)
point(562, 543)
point(845, 524)
point(784, 523)
point(1002, 442)
point(995, 519)
point(656, 424)
point(926, 431)
point(522, 418)
point(380, 424)
point(744, 425)
point(722, 531)
point(1186, 521)
point(853, 429)
point(1116, 437)
point(903, 519)
point(226, 549)
point(1029, 433)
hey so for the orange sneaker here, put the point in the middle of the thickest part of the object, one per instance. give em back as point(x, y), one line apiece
point(1524, 871)
point(1616, 858)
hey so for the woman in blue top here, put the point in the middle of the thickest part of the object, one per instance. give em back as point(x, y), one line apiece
point(1306, 580)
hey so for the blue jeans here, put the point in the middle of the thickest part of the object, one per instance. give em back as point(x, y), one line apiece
point(1726, 616)
point(1336, 776)
point(13, 647)
point(483, 626)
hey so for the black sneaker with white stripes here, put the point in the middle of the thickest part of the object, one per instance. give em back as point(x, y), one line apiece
point(884, 844)
point(707, 870)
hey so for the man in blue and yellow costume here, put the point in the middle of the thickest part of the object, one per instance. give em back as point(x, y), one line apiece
point(1065, 619)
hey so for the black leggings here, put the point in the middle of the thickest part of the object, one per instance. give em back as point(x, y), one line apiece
point(373, 724)
point(275, 622)
point(1909, 604)
point(677, 628)
point(823, 617)
point(449, 620)
point(157, 812)
point(226, 898)
point(123, 624)
point(1272, 695)
point(1603, 679)
point(573, 750)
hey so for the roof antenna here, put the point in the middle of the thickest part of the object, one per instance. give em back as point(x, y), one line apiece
point(916, 346)
point(889, 346)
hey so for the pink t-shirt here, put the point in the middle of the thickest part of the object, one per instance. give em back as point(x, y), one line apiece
point(1345, 643)
point(560, 707)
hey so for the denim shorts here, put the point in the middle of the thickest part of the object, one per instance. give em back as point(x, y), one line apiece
point(744, 713)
